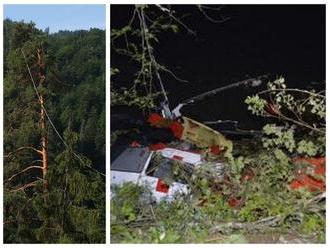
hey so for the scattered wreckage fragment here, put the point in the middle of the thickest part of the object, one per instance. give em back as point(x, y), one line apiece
point(310, 174)
point(194, 132)
point(187, 129)
point(156, 170)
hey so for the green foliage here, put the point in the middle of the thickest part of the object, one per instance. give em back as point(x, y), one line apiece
point(256, 104)
point(236, 167)
point(260, 205)
point(308, 148)
point(314, 224)
point(72, 209)
point(125, 205)
point(279, 137)
point(19, 219)
point(295, 108)
point(80, 66)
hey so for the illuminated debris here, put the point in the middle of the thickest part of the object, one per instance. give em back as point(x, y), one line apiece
point(193, 132)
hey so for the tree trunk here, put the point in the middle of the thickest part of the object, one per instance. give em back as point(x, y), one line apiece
point(44, 143)
point(44, 138)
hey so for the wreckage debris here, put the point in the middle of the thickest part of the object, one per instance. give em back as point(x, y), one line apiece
point(310, 177)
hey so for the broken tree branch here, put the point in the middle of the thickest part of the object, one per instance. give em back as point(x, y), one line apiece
point(205, 14)
point(281, 116)
point(163, 68)
point(169, 13)
point(293, 90)
point(29, 185)
point(23, 148)
point(24, 170)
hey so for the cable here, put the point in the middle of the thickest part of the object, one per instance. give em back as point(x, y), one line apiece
point(49, 119)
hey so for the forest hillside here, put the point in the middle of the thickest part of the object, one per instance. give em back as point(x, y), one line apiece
point(54, 135)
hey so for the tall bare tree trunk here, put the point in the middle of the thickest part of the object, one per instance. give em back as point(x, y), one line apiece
point(44, 138)
point(44, 143)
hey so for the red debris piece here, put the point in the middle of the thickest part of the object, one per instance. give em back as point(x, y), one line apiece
point(318, 163)
point(313, 161)
point(295, 184)
point(157, 146)
point(135, 144)
point(313, 184)
point(196, 151)
point(176, 157)
point(308, 182)
point(177, 129)
point(215, 150)
point(320, 170)
point(155, 119)
point(162, 186)
point(234, 202)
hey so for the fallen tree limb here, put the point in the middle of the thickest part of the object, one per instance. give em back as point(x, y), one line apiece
point(136, 223)
point(317, 198)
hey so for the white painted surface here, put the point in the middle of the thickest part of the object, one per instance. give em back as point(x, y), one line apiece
point(120, 177)
point(174, 189)
point(188, 157)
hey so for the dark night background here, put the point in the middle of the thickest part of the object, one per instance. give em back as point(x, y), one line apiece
point(287, 40)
